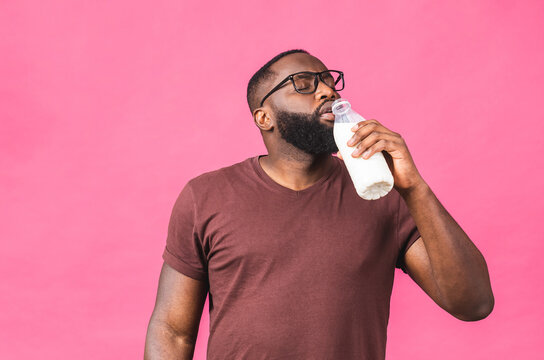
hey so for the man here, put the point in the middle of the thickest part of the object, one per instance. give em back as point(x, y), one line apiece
point(296, 264)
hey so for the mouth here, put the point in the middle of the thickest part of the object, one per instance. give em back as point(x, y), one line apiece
point(326, 112)
point(326, 108)
point(329, 116)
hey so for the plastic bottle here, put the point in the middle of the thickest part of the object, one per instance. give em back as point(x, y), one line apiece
point(371, 177)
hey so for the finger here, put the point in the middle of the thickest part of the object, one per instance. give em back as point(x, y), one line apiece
point(338, 154)
point(363, 123)
point(358, 125)
point(363, 132)
point(372, 139)
point(363, 138)
point(378, 146)
point(369, 140)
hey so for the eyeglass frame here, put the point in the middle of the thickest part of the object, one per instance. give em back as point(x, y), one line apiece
point(316, 82)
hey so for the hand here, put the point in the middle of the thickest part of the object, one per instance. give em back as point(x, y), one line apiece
point(370, 137)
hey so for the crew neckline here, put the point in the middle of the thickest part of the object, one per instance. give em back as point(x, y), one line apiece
point(285, 190)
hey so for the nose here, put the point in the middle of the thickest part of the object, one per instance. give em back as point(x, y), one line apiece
point(324, 91)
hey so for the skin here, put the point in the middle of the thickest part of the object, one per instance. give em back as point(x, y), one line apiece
point(443, 261)
point(173, 328)
point(286, 164)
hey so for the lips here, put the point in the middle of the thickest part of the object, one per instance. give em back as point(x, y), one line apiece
point(328, 116)
point(327, 108)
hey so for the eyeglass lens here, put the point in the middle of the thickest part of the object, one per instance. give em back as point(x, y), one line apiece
point(305, 82)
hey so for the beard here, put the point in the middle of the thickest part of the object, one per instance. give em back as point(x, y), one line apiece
point(306, 132)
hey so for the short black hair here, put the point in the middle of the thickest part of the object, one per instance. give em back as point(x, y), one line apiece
point(263, 74)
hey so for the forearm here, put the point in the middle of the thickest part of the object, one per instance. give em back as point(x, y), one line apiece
point(459, 269)
point(164, 344)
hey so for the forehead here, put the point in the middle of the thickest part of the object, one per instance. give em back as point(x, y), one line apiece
point(296, 62)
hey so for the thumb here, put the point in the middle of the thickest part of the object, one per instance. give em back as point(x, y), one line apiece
point(338, 154)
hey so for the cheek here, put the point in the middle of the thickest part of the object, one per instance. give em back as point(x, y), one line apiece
point(299, 103)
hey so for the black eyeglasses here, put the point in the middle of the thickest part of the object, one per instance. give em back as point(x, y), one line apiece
point(305, 82)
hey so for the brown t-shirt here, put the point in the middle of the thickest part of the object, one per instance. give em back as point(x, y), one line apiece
point(292, 274)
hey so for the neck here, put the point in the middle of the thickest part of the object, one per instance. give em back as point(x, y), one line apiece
point(296, 170)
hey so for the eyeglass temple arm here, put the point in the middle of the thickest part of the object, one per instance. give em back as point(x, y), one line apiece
point(276, 88)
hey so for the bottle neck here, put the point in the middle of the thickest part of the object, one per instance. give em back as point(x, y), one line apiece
point(340, 106)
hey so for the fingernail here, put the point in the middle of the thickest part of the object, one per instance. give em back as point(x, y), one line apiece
point(355, 127)
point(365, 154)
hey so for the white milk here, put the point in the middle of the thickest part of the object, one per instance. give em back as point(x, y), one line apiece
point(371, 177)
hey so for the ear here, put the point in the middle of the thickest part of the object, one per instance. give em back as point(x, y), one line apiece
point(262, 119)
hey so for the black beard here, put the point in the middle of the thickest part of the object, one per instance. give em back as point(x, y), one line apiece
point(306, 132)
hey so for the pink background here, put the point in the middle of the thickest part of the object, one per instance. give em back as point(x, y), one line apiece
point(109, 108)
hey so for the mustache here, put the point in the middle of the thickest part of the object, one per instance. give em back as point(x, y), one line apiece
point(318, 110)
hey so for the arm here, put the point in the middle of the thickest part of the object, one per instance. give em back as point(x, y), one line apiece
point(444, 262)
point(173, 327)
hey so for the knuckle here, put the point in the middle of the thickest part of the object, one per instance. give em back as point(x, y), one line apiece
point(369, 140)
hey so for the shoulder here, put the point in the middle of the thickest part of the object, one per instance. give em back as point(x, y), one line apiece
point(218, 178)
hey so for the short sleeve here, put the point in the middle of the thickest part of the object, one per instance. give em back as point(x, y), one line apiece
point(407, 233)
point(183, 250)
